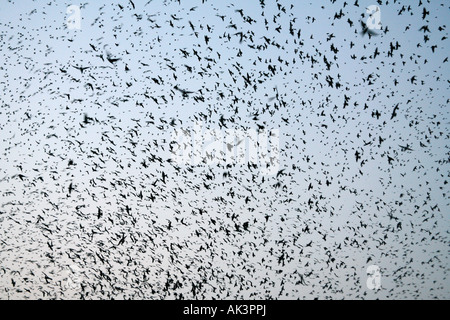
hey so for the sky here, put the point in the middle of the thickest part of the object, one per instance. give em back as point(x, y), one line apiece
point(100, 197)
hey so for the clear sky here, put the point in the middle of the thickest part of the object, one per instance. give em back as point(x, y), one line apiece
point(91, 192)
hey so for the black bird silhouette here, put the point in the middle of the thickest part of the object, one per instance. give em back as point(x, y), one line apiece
point(366, 30)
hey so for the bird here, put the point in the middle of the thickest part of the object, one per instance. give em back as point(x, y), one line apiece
point(366, 30)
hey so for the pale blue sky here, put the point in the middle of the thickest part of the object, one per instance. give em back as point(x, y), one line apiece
point(319, 135)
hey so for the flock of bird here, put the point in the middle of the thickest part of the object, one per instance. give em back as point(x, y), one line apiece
point(95, 206)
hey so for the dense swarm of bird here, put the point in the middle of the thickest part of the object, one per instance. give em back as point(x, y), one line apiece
point(94, 206)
